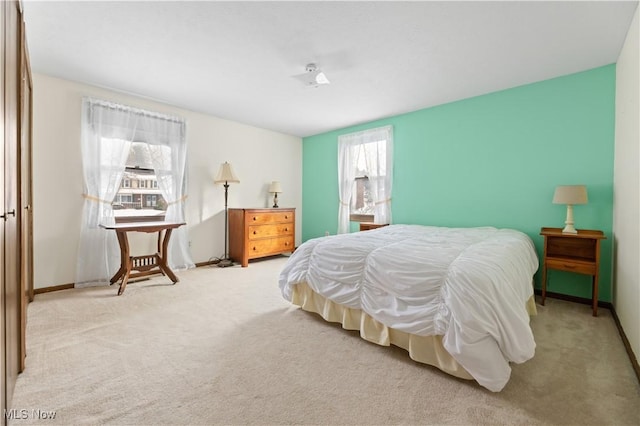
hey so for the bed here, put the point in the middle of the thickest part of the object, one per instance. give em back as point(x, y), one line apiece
point(455, 298)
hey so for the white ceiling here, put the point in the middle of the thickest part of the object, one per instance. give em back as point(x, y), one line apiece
point(236, 60)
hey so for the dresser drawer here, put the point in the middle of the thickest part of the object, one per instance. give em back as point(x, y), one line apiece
point(572, 266)
point(259, 248)
point(268, 231)
point(266, 218)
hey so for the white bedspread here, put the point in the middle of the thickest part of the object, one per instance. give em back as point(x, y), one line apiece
point(469, 285)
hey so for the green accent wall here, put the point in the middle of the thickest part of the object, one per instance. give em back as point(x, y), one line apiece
point(492, 160)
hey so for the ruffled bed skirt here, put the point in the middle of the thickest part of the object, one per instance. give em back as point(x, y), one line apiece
point(424, 349)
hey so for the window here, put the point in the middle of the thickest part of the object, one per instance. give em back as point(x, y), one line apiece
point(120, 146)
point(137, 198)
point(362, 204)
point(365, 169)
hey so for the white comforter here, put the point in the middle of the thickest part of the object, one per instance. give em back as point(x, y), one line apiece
point(469, 285)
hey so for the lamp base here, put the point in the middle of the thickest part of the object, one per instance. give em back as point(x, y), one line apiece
point(224, 263)
point(568, 223)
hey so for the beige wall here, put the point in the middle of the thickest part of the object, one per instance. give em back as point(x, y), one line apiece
point(258, 156)
point(626, 189)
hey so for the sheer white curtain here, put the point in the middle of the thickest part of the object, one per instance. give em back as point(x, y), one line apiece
point(346, 177)
point(169, 163)
point(377, 146)
point(107, 131)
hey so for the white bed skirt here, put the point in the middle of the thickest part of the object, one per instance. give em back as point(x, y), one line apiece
point(424, 349)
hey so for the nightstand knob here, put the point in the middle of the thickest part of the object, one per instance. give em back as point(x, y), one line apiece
point(254, 249)
point(255, 218)
point(286, 244)
point(286, 217)
point(254, 232)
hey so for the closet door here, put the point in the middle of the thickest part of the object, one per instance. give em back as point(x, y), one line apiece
point(26, 200)
point(3, 346)
point(11, 209)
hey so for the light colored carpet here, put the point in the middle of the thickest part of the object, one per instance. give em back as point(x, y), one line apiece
point(223, 347)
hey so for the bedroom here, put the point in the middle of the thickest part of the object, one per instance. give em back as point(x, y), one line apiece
point(495, 152)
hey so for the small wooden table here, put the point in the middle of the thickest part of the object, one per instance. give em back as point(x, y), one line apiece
point(578, 253)
point(147, 264)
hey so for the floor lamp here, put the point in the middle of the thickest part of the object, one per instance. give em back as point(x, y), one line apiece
point(226, 175)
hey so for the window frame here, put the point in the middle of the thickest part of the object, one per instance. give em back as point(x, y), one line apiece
point(380, 176)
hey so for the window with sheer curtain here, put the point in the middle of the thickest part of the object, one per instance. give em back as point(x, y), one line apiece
point(365, 177)
point(109, 133)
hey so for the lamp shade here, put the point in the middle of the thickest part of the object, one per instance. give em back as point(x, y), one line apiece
point(570, 194)
point(226, 174)
point(275, 187)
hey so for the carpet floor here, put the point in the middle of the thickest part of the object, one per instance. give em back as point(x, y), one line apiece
point(223, 347)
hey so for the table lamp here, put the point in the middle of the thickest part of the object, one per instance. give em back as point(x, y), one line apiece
point(570, 195)
point(275, 188)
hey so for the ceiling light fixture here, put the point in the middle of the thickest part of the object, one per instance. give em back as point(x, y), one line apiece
point(314, 77)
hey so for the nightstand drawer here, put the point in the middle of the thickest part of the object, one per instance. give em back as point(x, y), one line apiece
point(267, 231)
point(588, 268)
point(273, 245)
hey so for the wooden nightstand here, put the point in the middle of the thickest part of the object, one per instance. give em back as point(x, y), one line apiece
point(365, 226)
point(578, 253)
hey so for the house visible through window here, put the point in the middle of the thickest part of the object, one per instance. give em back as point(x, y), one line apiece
point(139, 198)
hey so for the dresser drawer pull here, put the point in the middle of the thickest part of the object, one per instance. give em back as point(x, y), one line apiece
point(286, 244)
point(286, 217)
point(254, 232)
point(254, 249)
point(286, 229)
point(255, 218)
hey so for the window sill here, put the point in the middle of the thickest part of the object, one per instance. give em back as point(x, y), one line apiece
point(361, 218)
point(135, 219)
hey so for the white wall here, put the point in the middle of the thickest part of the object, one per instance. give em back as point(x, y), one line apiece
point(258, 156)
point(626, 189)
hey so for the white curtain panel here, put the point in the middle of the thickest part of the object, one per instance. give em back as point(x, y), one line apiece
point(107, 131)
point(377, 146)
point(346, 177)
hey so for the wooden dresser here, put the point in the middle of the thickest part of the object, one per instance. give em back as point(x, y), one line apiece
point(257, 233)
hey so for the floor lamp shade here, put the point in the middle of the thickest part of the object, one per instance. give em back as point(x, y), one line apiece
point(570, 195)
point(226, 175)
